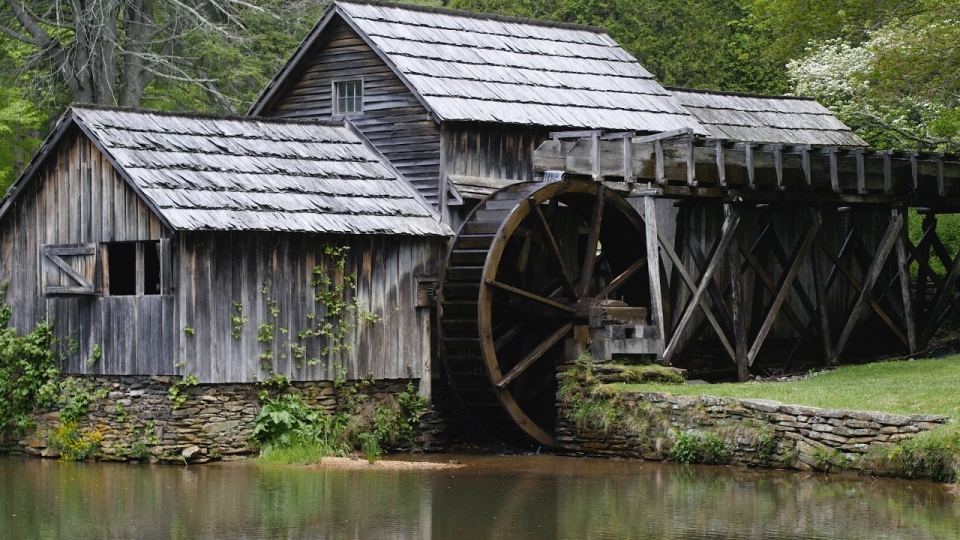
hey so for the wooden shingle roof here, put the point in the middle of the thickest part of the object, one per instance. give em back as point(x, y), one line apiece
point(247, 174)
point(766, 119)
point(476, 67)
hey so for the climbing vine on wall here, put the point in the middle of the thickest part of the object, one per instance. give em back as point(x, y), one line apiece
point(337, 313)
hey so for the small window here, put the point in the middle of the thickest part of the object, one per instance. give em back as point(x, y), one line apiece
point(132, 269)
point(349, 97)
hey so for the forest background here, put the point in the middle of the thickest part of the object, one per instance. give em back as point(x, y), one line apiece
point(888, 68)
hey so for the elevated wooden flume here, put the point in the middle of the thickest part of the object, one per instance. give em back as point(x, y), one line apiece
point(775, 257)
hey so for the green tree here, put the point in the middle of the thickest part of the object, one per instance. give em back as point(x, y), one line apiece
point(698, 43)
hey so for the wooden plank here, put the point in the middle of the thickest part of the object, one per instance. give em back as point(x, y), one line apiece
point(883, 250)
point(721, 164)
point(820, 291)
point(529, 295)
point(861, 174)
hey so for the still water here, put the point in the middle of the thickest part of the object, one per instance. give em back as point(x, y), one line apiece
point(493, 497)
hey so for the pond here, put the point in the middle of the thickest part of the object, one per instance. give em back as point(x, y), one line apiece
point(492, 497)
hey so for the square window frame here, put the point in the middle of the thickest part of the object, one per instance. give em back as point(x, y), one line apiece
point(335, 100)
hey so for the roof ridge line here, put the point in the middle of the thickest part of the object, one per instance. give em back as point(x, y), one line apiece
point(737, 94)
point(205, 116)
point(478, 15)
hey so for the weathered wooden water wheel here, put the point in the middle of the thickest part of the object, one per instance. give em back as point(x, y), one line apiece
point(532, 265)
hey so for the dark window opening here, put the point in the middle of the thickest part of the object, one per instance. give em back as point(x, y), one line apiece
point(151, 268)
point(130, 266)
point(349, 97)
point(122, 259)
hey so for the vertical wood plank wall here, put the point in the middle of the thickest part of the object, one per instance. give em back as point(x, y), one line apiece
point(500, 151)
point(393, 119)
point(256, 269)
point(79, 199)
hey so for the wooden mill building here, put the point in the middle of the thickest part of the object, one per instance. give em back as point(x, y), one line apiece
point(161, 244)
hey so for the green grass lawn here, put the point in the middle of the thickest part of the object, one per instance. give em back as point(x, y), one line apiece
point(928, 386)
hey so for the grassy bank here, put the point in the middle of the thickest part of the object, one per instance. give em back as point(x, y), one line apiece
point(911, 387)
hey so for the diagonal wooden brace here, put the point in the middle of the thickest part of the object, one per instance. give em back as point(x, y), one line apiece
point(727, 233)
point(883, 251)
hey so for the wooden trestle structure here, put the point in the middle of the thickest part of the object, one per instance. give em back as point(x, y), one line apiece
point(804, 244)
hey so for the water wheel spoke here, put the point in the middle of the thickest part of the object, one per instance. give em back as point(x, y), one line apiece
point(528, 295)
point(590, 257)
point(507, 336)
point(534, 355)
point(621, 279)
point(554, 249)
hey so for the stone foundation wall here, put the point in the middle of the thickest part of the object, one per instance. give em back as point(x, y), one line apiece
point(137, 420)
point(757, 432)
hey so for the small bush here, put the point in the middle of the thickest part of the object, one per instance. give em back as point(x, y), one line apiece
point(933, 454)
point(74, 446)
point(695, 447)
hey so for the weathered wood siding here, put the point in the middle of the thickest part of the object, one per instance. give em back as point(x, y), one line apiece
point(500, 151)
point(78, 198)
point(393, 119)
point(257, 269)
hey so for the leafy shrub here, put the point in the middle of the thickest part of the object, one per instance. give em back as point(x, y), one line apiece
point(74, 446)
point(27, 371)
point(75, 396)
point(695, 447)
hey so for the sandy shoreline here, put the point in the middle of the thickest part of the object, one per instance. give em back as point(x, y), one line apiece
point(381, 464)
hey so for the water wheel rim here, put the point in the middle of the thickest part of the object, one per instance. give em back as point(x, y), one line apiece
point(493, 263)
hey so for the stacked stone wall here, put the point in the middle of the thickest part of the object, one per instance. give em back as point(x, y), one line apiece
point(758, 432)
point(138, 421)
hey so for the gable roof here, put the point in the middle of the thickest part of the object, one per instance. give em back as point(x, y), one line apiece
point(766, 119)
point(202, 173)
point(476, 67)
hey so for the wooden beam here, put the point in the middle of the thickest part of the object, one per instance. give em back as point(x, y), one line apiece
point(941, 190)
point(834, 174)
point(659, 174)
point(728, 231)
point(751, 173)
point(886, 244)
point(820, 291)
point(616, 282)
point(691, 165)
point(786, 283)
point(737, 307)
point(903, 268)
point(805, 165)
point(653, 270)
point(887, 173)
point(945, 291)
point(533, 356)
point(674, 133)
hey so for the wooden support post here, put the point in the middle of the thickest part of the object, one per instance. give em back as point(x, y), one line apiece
point(946, 293)
point(595, 156)
point(721, 165)
point(941, 189)
point(886, 244)
point(823, 314)
point(691, 164)
point(914, 172)
point(786, 283)
point(904, 271)
point(653, 271)
point(887, 173)
point(659, 173)
point(627, 161)
point(805, 164)
point(861, 172)
point(737, 305)
point(727, 233)
point(751, 173)
point(778, 165)
point(834, 175)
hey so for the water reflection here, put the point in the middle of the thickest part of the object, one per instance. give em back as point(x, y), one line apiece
point(495, 497)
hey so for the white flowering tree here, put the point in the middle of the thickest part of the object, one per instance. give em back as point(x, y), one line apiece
point(899, 88)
